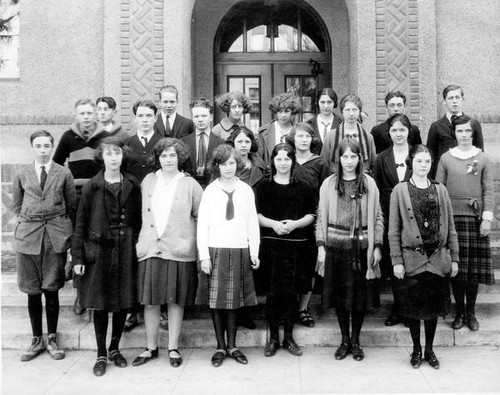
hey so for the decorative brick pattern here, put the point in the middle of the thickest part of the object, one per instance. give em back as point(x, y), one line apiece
point(36, 120)
point(141, 52)
point(397, 54)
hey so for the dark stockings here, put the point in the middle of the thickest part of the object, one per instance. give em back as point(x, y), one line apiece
point(343, 316)
point(358, 317)
point(222, 320)
point(52, 310)
point(430, 330)
point(462, 291)
point(101, 328)
point(35, 313)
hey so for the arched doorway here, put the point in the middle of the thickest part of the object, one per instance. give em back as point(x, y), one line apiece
point(266, 47)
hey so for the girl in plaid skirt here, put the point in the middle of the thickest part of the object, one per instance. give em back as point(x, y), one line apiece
point(466, 172)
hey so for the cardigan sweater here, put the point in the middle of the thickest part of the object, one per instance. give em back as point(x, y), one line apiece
point(372, 216)
point(178, 240)
point(215, 231)
point(405, 239)
point(469, 183)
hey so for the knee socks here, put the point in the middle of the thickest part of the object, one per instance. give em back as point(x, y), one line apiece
point(414, 326)
point(52, 310)
point(35, 314)
point(430, 331)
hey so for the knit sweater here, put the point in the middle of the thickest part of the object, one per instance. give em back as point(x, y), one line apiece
point(405, 238)
point(79, 152)
point(214, 230)
point(178, 241)
point(469, 183)
point(371, 212)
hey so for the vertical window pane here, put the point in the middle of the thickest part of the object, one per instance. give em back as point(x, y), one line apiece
point(305, 88)
point(287, 39)
point(250, 86)
point(258, 39)
point(236, 84)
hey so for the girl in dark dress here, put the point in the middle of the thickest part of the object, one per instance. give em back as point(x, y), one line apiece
point(286, 210)
point(424, 251)
point(312, 170)
point(349, 233)
point(107, 225)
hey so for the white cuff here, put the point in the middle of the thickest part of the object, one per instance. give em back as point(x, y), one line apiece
point(488, 215)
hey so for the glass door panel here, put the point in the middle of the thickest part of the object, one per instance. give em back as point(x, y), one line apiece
point(250, 86)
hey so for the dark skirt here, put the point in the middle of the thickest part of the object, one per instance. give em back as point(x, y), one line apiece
point(475, 265)
point(110, 281)
point(162, 281)
point(230, 284)
point(424, 296)
point(344, 287)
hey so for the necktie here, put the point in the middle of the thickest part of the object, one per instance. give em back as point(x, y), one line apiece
point(229, 206)
point(145, 139)
point(168, 129)
point(400, 165)
point(325, 130)
point(202, 151)
point(43, 177)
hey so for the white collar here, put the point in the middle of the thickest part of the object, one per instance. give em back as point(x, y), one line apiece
point(148, 136)
point(464, 155)
point(47, 165)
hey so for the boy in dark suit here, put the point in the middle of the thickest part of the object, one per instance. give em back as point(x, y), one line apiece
point(396, 104)
point(201, 143)
point(441, 135)
point(44, 201)
point(169, 123)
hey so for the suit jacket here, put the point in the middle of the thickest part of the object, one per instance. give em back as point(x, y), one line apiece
point(382, 139)
point(337, 120)
point(267, 141)
point(441, 138)
point(190, 165)
point(141, 159)
point(182, 127)
point(38, 211)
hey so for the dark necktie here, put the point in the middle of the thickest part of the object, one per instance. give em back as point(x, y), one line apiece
point(400, 165)
point(325, 130)
point(145, 139)
point(202, 151)
point(229, 206)
point(168, 129)
point(43, 177)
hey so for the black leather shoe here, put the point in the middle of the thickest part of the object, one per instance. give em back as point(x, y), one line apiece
point(305, 318)
point(239, 356)
point(131, 322)
point(392, 320)
point(471, 322)
point(292, 347)
point(176, 359)
point(271, 348)
point(218, 358)
point(100, 367)
point(146, 356)
point(117, 357)
point(431, 358)
point(416, 359)
point(357, 352)
point(458, 322)
point(77, 307)
point(342, 351)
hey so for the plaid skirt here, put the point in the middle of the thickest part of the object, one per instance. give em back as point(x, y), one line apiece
point(475, 264)
point(230, 284)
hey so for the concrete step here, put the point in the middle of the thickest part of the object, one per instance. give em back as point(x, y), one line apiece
point(199, 333)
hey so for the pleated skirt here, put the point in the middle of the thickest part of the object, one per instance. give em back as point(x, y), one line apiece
point(230, 285)
point(162, 281)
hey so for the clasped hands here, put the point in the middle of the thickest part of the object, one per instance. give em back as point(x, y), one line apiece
point(399, 270)
point(284, 227)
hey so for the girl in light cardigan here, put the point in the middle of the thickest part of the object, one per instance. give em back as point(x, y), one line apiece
point(349, 232)
point(228, 245)
point(166, 249)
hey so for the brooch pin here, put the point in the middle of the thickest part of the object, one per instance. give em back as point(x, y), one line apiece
point(472, 167)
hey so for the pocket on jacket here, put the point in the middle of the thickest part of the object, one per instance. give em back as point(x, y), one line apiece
point(21, 230)
point(92, 252)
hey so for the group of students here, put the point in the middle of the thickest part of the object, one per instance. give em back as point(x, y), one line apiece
point(228, 215)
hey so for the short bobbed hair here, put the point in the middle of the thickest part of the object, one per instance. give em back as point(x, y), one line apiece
point(41, 133)
point(224, 101)
point(290, 152)
point(247, 132)
point(405, 121)
point(303, 127)
point(220, 155)
point(285, 101)
point(417, 149)
point(113, 142)
point(461, 120)
point(179, 147)
point(352, 98)
point(330, 93)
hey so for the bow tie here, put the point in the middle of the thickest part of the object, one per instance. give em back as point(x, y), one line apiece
point(400, 165)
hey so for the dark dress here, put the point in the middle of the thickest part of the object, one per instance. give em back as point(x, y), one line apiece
point(106, 230)
point(425, 295)
point(287, 261)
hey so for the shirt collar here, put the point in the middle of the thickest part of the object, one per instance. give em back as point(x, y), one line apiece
point(198, 133)
point(38, 166)
point(148, 136)
point(227, 124)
